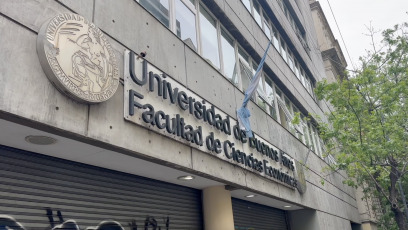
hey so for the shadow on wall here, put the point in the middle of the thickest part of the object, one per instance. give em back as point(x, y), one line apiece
point(356, 226)
point(305, 219)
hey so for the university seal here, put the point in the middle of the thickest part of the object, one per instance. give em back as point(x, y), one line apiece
point(77, 58)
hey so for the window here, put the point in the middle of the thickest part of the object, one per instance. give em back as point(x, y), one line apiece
point(297, 70)
point(289, 115)
point(283, 50)
point(159, 9)
point(247, 4)
point(186, 24)
point(219, 48)
point(228, 57)
point(257, 13)
point(285, 111)
point(308, 86)
point(305, 138)
point(270, 97)
point(317, 142)
point(322, 147)
point(254, 68)
point(262, 104)
point(209, 38)
point(278, 42)
point(267, 28)
point(260, 90)
point(293, 23)
point(312, 139)
point(275, 38)
point(245, 69)
point(302, 77)
point(298, 130)
point(290, 60)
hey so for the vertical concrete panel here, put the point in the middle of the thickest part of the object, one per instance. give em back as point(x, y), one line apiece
point(291, 194)
point(309, 198)
point(262, 184)
point(31, 13)
point(217, 208)
point(24, 88)
point(83, 7)
point(208, 83)
point(107, 124)
point(215, 167)
point(228, 98)
point(134, 27)
point(331, 222)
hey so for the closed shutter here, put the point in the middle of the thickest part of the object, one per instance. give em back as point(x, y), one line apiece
point(252, 216)
point(40, 192)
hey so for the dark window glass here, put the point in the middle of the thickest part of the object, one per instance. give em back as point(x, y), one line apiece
point(159, 8)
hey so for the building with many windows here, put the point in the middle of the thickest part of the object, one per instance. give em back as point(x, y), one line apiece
point(122, 115)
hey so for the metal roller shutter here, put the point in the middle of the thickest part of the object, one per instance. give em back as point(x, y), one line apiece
point(252, 216)
point(41, 192)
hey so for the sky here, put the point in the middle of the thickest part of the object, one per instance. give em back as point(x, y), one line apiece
point(353, 18)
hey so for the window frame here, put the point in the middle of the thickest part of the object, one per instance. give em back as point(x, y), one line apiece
point(218, 32)
point(235, 47)
point(274, 103)
point(283, 47)
point(193, 8)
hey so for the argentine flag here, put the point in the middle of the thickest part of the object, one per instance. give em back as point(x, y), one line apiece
point(243, 113)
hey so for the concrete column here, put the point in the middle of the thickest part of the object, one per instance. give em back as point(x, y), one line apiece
point(217, 207)
point(369, 226)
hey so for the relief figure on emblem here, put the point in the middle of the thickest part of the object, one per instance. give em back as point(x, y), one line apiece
point(89, 64)
point(86, 57)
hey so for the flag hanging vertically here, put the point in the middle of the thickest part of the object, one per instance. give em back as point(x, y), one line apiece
point(243, 113)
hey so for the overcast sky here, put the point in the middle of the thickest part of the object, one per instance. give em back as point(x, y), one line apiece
point(354, 15)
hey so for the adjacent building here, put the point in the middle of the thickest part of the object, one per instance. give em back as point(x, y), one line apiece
point(335, 66)
point(122, 115)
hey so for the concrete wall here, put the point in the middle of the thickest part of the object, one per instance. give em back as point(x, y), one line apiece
point(316, 220)
point(27, 96)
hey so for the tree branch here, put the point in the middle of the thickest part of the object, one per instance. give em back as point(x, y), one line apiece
point(355, 113)
point(375, 181)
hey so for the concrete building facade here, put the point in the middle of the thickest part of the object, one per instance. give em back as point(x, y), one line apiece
point(333, 58)
point(122, 114)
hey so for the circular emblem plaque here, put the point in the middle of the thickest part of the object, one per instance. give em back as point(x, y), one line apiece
point(77, 58)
